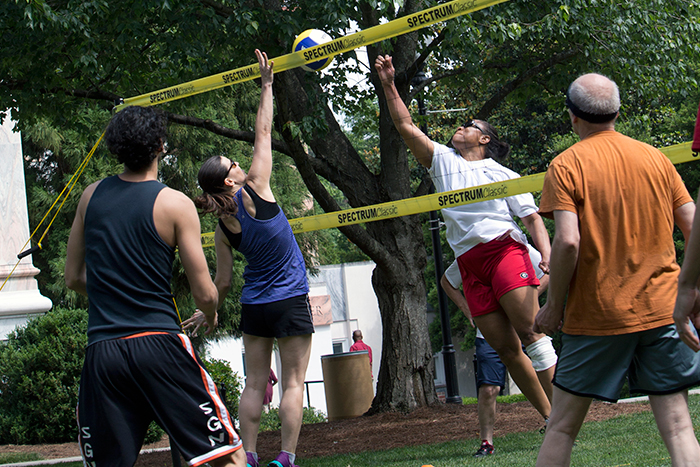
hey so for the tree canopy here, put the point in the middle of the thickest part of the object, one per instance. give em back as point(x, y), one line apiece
point(65, 62)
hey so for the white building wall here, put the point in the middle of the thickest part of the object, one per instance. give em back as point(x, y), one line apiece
point(229, 349)
point(363, 310)
point(322, 345)
point(362, 313)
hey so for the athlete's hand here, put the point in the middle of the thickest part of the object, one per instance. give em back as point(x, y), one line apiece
point(266, 75)
point(199, 320)
point(468, 314)
point(548, 320)
point(385, 69)
point(687, 311)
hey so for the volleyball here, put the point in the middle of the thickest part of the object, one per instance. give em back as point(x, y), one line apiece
point(308, 39)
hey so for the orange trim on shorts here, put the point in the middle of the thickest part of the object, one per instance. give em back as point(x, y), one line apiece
point(218, 455)
point(212, 390)
point(142, 334)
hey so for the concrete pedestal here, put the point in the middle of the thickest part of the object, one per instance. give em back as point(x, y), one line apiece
point(20, 298)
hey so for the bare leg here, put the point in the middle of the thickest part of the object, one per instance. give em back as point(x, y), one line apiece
point(568, 413)
point(258, 351)
point(521, 306)
point(499, 333)
point(486, 408)
point(294, 353)
point(676, 428)
point(237, 459)
point(546, 377)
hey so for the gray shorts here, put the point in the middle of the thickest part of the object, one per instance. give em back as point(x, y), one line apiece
point(657, 360)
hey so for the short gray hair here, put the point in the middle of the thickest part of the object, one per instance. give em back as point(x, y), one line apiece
point(595, 94)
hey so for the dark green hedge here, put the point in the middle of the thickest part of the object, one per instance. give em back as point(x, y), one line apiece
point(40, 366)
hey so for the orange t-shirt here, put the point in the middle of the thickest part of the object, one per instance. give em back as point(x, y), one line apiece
point(625, 193)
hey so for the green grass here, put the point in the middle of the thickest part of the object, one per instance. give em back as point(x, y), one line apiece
point(18, 457)
point(628, 440)
point(500, 399)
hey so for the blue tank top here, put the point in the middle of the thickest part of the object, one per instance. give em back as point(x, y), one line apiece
point(275, 269)
point(129, 265)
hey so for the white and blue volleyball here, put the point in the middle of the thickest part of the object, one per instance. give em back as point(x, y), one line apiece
point(311, 38)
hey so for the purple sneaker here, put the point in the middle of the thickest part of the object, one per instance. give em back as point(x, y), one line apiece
point(251, 460)
point(282, 460)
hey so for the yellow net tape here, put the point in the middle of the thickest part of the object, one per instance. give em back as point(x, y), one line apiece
point(343, 44)
point(678, 154)
point(330, 49)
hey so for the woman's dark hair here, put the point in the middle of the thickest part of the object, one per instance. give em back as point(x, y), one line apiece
point(135, 135)
point(496, 149)
point(216, 196)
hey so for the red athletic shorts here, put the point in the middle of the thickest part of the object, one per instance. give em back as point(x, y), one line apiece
point(489, 270)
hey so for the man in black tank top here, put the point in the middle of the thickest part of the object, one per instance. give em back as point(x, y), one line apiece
point(139, 366)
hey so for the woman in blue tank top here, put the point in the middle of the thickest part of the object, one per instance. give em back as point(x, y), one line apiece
point(274, 298)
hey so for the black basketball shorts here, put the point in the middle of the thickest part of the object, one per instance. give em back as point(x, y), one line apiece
point(127, 383)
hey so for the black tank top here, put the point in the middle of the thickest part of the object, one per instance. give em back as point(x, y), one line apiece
point(129, 265)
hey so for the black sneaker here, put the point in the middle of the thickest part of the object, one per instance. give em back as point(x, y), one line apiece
point(486, 449)
point(543, 430)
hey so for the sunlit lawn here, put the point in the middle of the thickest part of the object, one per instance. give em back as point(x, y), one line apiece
point(629, 440)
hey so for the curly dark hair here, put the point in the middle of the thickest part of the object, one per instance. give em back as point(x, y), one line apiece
point(216, 196)
point(135, 135)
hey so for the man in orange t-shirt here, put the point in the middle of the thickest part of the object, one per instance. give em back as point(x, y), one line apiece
point(614, 201)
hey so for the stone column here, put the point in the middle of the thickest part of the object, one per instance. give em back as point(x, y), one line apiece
point(20, 298)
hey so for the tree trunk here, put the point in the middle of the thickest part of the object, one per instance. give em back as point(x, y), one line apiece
point(395, 245)
point(406, 379)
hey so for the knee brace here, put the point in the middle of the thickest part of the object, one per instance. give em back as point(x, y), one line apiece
point(542, 354)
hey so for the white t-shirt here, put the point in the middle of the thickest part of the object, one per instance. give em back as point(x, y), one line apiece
point(481, 222)
point(454, 277)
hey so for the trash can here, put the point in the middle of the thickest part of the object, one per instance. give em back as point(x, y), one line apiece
point(347, 380)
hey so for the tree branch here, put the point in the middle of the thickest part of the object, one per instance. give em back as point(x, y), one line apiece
point(212, 126)
point(418, 64)
point(355, 233)
point(82, 93)
point(426, 183)
point(510, 86)
point(219, 8)
point(95, 95)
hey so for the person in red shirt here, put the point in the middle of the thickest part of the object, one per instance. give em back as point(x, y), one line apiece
point(271, 381)
point(359, 345)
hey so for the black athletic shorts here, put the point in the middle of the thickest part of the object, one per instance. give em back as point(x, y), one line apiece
point(127, 383)
point(283, 318)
